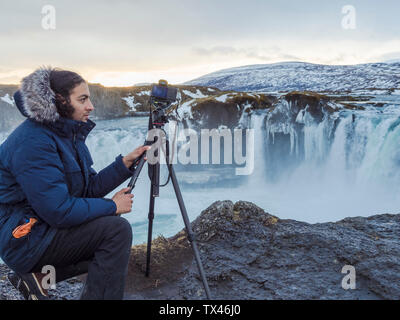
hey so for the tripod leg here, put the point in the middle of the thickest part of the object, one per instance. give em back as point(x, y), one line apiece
point(189, 231)
point(154, 171)
point(150, 230)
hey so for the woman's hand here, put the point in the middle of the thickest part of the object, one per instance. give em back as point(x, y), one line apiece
point(130, 158)
point(123, 201)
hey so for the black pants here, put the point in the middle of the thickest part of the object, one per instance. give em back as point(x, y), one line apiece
point(100, 248)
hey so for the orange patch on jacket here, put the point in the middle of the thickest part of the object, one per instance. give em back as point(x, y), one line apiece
point(24, 229)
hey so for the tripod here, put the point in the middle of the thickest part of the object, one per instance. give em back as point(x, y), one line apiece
point(154, 174)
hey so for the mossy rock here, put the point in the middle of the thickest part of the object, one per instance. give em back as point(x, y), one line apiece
point(214, 113)
point(316, 103)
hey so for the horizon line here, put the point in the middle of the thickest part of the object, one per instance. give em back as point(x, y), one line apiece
point(236, 67)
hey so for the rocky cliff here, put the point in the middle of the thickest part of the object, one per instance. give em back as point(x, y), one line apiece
point(250, 254)
point(196, 106)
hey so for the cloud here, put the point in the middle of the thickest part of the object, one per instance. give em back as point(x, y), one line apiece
point(9, 76)
point(271, 54)
point(96, 36)
point(388, 57)
point(218, 50)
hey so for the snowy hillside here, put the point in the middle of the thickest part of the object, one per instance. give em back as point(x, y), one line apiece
point(288, 76)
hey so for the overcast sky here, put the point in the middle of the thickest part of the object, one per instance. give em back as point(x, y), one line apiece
point(123, 42)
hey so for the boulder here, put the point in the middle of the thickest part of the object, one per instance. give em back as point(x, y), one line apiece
point(250, 254)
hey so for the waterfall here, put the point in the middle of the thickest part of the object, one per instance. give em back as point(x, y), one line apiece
point(347, 164)
point(112, 137)
point(256, 123)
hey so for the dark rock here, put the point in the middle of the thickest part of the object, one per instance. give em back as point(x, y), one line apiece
point(214, 113)
point(315, 103)
point(211, 114)
point(250, 254)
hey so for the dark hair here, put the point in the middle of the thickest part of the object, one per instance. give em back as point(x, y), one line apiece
point(63, 82)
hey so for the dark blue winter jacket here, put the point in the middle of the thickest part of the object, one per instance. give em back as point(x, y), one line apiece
point(46, 173)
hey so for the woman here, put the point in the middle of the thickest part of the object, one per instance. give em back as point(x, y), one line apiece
point(52, 205)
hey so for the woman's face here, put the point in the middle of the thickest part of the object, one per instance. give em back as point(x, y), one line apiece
point(80, 101)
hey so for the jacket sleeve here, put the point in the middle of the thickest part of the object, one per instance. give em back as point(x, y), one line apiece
point(102, 183)
point(39, 171)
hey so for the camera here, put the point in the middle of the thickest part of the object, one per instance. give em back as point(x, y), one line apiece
point(161, 97)
point(162, 92)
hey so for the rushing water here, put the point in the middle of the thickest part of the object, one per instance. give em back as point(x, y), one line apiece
point(345, 165)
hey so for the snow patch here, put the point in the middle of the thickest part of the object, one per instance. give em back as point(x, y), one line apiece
point(130, 101)
point(142, 93)
point(222, 98)
point(8, 99)
point(185, 110)
point(196, 95)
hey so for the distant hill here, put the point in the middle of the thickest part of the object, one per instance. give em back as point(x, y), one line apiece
point(289, 76)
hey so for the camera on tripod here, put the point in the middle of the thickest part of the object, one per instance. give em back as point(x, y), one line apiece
point(161, 97)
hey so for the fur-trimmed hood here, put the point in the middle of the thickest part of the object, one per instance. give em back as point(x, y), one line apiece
point(37, 99)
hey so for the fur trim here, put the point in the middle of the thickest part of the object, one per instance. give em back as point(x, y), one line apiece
point(38, 97)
